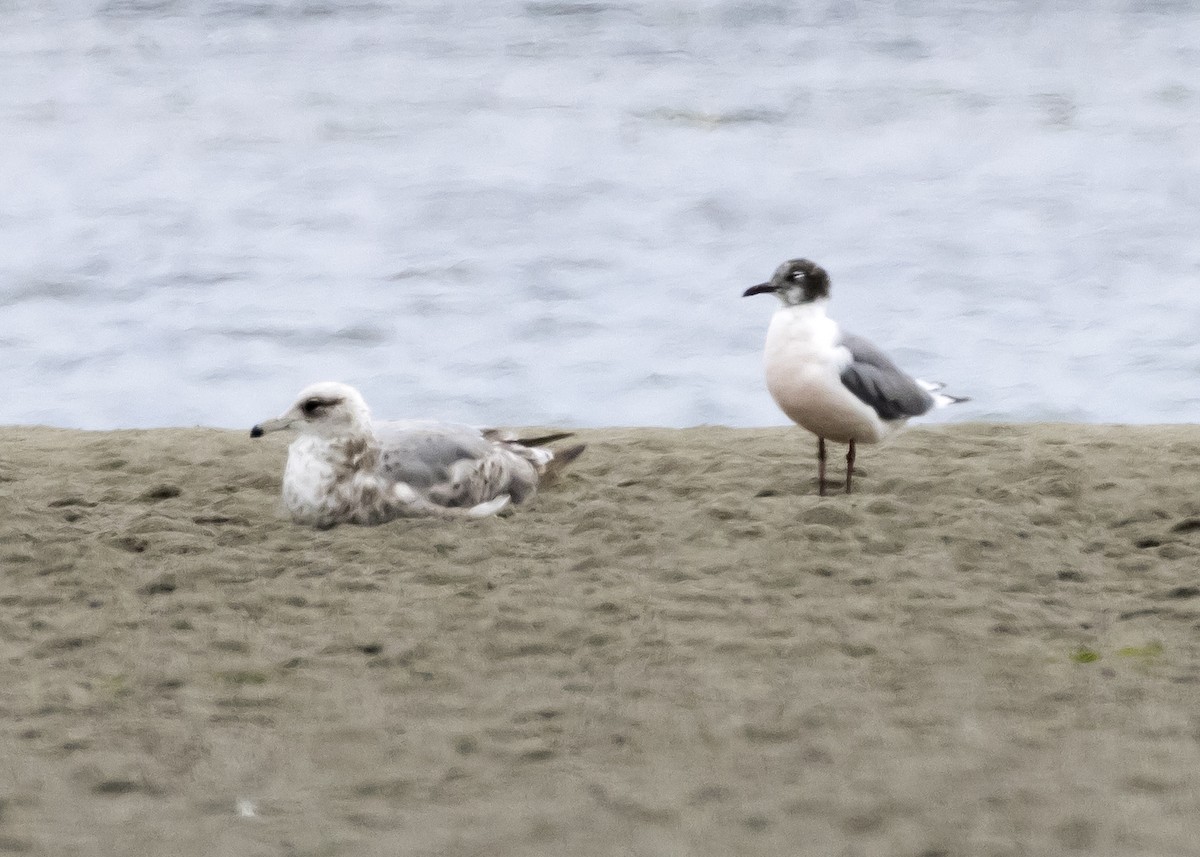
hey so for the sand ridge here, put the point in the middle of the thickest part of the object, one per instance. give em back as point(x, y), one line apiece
point(990, 648)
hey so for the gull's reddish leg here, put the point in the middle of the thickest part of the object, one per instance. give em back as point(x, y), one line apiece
point(849, 466)
point(821, 465)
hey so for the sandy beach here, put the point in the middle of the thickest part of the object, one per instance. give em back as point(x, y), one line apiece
point(991, 648)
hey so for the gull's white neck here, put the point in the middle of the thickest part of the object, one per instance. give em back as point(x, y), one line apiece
point(803, 331)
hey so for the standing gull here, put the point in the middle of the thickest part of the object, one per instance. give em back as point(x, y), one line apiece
point(837, 385)
point(345, 468)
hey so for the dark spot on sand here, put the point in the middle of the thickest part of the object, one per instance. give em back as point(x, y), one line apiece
point(537, 754)
point(1147, 783)
point(133, 544)
point(389, 789)
point(829, 516)
point(1187, 525)
point(358, 586)
point(1070, 574)
point(244, 703)
point(162, 585)
point(865, 822)
point(70, 501)
point(116, 787)
point(218, 519)
point(1147, 543)
point(161, 492)
point(769, 733)
point(371, 648)
point(817, 756)
point(723, 513)
point(1134, 614)
point(709, 794)
point(230, 646)
point(73, 642)
point(244, 677)
point(1183, 592)
point(1077, 833)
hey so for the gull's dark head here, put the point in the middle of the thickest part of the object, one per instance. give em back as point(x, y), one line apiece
point(328, 409)
point(795, 282)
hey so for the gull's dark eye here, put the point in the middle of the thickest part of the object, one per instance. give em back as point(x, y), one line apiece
point(797, 275)
point(312, 406)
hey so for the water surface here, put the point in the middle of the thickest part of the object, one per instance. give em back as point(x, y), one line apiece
point(546, 212)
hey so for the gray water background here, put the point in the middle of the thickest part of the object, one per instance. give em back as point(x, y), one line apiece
point(546, 212)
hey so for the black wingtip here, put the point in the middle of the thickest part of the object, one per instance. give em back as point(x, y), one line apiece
point(256, 431)
point(543, 439)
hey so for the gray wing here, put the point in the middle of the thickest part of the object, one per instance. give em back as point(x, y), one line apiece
point(421, 453)
point(880, 383)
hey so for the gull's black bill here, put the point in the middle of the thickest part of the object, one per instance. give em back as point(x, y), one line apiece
point(760, 289)
point(256, 431)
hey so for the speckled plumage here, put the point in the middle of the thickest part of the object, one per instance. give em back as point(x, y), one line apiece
point(345, 468)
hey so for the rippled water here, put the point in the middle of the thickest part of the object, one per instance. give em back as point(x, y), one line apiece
point(546, 212)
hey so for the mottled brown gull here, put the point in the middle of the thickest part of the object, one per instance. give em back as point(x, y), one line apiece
point(837, 385)
point(346, 468)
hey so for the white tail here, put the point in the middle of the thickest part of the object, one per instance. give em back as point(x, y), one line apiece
point(941, 400)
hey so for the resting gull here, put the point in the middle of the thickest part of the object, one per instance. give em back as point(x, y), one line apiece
point(835, 384)
point(345, 468)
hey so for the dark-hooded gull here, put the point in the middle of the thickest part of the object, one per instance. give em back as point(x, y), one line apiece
point(837, 385)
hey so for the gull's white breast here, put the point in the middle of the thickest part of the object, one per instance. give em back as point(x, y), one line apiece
point(308, 478)
point(803, 363)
